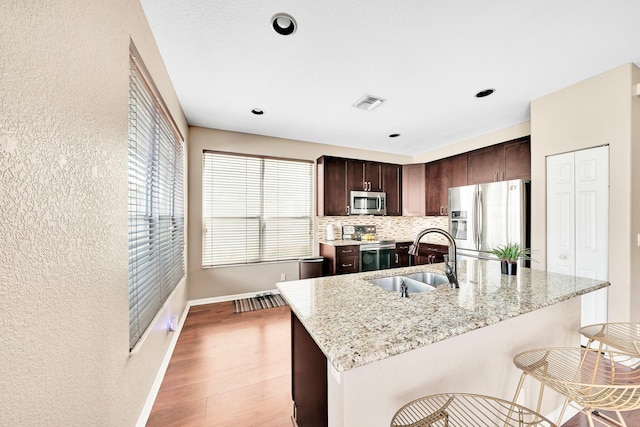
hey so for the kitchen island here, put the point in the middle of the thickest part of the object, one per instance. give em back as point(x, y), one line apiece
point(382, 351)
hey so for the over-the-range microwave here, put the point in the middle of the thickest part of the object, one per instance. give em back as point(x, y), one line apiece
point(368, 203)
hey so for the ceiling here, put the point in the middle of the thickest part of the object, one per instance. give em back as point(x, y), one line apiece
point(426, 58)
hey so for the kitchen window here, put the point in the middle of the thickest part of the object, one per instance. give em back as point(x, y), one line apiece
point(156, 212)
point(255, 209)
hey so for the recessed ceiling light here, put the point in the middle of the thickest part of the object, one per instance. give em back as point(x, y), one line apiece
point(284, 24)
point(484, 93)
point(257, 111)
point(394, 135)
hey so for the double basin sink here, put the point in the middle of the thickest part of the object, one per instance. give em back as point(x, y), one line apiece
point(416, 282)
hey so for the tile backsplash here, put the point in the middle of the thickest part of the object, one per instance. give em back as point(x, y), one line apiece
point(387, 227)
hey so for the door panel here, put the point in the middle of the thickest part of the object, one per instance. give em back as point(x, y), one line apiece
point(592, 228)
point(560, 214)
point(461, 202)
point(578, 222)
point(493, 217)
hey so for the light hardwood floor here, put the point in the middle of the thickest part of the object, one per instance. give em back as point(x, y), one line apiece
point(228, 370)
point(235, 370)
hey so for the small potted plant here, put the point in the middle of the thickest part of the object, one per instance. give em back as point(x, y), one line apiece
point(509, 255)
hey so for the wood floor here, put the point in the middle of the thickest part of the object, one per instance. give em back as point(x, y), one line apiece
point(235, 370)
point(228, 370)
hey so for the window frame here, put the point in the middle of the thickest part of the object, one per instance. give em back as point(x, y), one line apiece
point(156, 202)
point(208, 259)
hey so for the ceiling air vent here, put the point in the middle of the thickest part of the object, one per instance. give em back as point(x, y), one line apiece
point(368, 102)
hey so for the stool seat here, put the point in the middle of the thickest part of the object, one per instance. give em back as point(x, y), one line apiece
point(465, 410)
point(594, 380)
point(624, 337)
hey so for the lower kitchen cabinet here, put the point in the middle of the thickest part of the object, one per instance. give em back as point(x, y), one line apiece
point(402, 254)
point(308, 378)
point(339, 259)
point(430, 253)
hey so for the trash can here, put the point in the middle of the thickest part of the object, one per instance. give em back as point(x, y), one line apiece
point(310, 267)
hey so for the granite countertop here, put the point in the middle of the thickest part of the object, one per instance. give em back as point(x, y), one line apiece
point(356, 323)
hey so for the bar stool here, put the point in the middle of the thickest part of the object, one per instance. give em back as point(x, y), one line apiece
point(465, 410)
point(590, 378)
point(623, 337)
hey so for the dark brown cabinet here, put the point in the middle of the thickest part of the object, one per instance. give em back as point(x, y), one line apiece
point(391, 183)
point(402, 258)
point(308, 378)
point(332, 194)
point(439, 177)
point(509, 160)
point(337, 177)
point(430, 253)
point(340, 259)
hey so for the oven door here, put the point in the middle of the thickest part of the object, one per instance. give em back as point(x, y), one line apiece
point(376, 258)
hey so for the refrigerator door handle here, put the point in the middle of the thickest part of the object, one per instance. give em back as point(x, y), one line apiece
point(480, 218)
point(475, 218)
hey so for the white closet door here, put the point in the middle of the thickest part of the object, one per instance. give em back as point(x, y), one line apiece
point(561, 214)
point(578, 222)
point(592, 228)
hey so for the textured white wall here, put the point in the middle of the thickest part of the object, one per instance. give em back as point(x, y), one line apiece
point(64, 357)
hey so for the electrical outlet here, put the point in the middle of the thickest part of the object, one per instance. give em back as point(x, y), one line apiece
point(283, 276)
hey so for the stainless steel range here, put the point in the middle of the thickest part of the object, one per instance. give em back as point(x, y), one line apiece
point(375, 254)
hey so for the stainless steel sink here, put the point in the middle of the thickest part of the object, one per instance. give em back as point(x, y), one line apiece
point(394, 283)
point(430, 278)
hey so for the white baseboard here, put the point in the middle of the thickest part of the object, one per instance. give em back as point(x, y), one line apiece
point(155, 388)
point(568, 414)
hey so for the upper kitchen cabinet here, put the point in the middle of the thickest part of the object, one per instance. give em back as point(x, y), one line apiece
point(337, 177)
point(502, 162)
point(413, 190)
point(332, 193)
point(439, 177)
point(391, 183)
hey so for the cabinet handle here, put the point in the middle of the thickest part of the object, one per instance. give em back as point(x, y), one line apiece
point(503, 175)
point(495, 175)
point(347, 265)
point(369, 185)
point(396, 258)
point(562, 257)
point(345, 251)
point(348, 213)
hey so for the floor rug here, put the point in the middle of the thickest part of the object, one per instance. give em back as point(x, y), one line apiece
point(260, 301)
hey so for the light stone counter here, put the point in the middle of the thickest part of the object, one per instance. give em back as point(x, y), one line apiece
point(356, 323)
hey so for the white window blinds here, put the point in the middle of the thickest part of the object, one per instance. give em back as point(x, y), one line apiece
point(255, 209)
point(156, 212)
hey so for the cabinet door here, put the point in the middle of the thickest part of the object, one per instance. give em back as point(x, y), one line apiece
point(308, 378)
point(402, 254)
point(457, 172)
point(435, 181)
point(413, 190)
point(355, 176)
point(333, 196)
point(485, 164)
point(517, 160)
point(391, 177)
point(373, 176)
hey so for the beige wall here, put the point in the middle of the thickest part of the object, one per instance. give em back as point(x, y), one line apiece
point(600, 110)
point(64, 306)
point(223, 281)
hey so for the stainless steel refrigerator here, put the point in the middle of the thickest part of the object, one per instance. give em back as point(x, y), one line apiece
point(484, 216)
